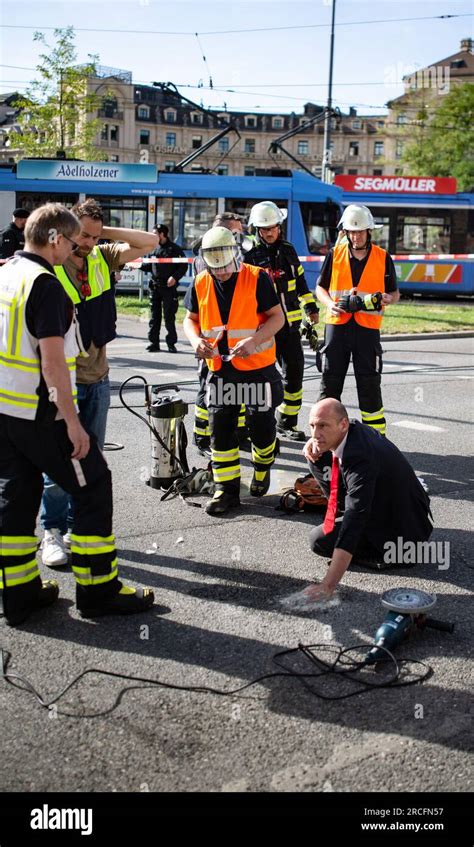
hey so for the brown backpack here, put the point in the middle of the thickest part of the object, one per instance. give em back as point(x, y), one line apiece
point(306, 496)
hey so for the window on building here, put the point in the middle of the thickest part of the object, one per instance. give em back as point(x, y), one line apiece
point(170, 116)
point(223, 170)
point(278, 123)
point(196, 142)
point(144, 136)
point(113, 158)
point(138, 94)
point(352, 171)
point(422, 234)
point(223, 145)
point(357, 124)
point(249, 145)
point(401, 119)
point(378, 148)
point(171, 139)
point(104, 133)
point(303, 148)
point(399, 150)
point(143, 112)
point(380, 123)
point(353, 148)
point(249, 171)
point(114, 133)
point(196, 118)
point(377, 172)
point(250, 121)
point(110, 106)
point(169, 166)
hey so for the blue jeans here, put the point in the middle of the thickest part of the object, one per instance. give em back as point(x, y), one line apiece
point(93, 401)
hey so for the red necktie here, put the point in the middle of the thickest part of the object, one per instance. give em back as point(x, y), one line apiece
point(331, 511)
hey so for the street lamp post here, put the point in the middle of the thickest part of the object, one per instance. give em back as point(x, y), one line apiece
point(326, 170)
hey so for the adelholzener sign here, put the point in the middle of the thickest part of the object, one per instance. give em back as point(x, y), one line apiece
point(85, 171)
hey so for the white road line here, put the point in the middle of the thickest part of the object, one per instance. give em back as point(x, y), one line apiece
point(417, 425)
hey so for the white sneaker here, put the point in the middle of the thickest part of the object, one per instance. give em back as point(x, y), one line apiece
point(53, 551)
point(67, 540)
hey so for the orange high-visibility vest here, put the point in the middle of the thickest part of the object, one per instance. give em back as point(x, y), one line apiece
point(243, 321)
point(372, 280)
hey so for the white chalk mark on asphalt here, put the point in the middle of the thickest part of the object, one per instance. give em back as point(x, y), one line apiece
point(417, 425)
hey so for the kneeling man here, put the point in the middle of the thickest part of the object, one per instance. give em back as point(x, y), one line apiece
point(383, 504)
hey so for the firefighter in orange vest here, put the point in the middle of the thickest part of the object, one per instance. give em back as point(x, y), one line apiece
point(357, 281)
point(233, 315)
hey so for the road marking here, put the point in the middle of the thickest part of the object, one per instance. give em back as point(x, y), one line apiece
point(416, 425)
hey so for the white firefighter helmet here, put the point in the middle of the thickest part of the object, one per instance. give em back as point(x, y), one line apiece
point(219, 249)
point(356, 218)
point(266, 213)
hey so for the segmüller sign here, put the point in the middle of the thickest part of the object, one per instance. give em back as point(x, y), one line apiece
point(397, 184)
point(72, 171)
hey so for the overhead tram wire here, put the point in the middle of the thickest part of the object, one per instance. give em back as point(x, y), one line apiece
point(235, 31)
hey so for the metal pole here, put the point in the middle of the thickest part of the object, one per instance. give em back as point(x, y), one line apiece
point(325, 173)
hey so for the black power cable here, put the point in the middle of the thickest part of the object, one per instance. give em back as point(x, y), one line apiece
point(341, 666)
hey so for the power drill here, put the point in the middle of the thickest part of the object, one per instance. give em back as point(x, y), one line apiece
point(356, 303)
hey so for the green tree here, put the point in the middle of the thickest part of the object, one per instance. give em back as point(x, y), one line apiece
point(444, 138)
point(57, 108)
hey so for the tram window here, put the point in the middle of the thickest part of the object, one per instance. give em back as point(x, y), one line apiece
point(468, 247)
point(29, 200)
point(128, 212)
point(422, 234)
point(164, 215)
point(242, 206)
point(320, 224)
point(198, 216)
point(381, 237)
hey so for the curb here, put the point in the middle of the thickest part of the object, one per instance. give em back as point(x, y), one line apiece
point(417, 336)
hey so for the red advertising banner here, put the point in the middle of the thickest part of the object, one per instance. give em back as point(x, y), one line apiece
point(397, 184)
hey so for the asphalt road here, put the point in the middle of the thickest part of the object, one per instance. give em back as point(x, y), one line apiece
point(218, 623)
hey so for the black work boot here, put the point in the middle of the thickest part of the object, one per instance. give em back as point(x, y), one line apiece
point(221, 503)
point(260, 483)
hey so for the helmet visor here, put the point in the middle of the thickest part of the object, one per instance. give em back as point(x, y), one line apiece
point(226, 259)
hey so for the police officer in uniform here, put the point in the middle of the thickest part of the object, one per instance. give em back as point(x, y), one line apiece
point(279, 258)
point(163, 290)
point(232, 318)
point(357, 280)
point(40, 432)
point(13, 237)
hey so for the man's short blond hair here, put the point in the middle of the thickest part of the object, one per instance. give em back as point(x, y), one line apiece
point(47, 222)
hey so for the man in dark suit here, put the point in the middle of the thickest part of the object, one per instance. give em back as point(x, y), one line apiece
point(372, 483)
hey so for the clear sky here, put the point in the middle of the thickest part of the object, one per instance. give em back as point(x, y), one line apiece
point(268, 70)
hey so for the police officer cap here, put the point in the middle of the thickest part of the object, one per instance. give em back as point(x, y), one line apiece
point(21, 213)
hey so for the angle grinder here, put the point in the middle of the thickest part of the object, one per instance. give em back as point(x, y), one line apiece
point(407, 613)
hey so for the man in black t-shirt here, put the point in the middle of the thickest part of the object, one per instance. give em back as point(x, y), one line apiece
point(13, 237)
point(357, 280)
point(232, 317)
point(40, 432)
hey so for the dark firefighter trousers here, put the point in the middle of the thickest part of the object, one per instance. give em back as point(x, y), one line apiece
point(163, 300)
point(27, 450)
point(341, 341)
point(290, 357)
point(225, 454)
point(201, 414)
